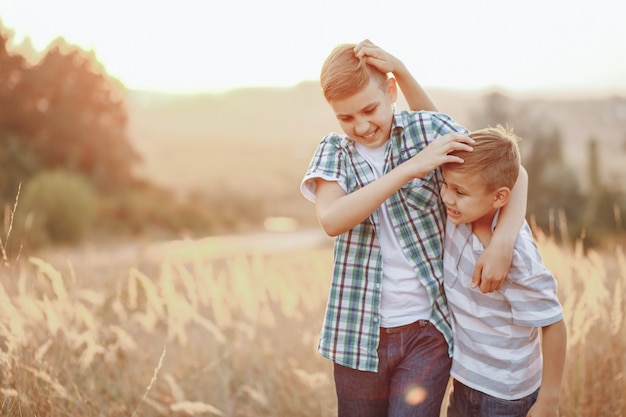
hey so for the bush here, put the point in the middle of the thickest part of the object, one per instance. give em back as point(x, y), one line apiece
point(58, 207)
point(151, 211)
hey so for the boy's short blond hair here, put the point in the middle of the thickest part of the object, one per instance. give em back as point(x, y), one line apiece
point(343, 74)
point(496, 157)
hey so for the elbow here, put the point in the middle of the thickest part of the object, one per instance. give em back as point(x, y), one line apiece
point(331, 233)
point(330, 226)
point(330, 229)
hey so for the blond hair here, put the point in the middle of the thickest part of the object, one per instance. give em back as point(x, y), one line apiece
point(343, 74)
point(495, 156)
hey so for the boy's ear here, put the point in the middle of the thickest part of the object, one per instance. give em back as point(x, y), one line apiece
point(501, 197)
point(392, 88)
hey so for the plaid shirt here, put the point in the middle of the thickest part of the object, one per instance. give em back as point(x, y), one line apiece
point(350, 334)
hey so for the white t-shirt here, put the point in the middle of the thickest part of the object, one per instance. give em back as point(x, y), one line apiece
point(404, 299)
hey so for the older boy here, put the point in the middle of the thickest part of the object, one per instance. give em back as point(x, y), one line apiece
point(497, 362)
point(376, 189)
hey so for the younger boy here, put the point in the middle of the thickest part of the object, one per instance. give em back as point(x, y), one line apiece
point(376, 189)
point(497, 362)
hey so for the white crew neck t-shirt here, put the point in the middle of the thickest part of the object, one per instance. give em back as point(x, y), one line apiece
point(404, 299)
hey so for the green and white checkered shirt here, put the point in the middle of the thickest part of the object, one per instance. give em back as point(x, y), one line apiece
point(350, 334)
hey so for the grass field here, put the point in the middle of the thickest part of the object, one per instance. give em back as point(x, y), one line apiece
point(222, 327)
point(215, 331)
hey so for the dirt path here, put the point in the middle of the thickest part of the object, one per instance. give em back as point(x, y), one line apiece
point(115, 259)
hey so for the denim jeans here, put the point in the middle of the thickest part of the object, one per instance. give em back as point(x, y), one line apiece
point(413, 373)
point(468, 402)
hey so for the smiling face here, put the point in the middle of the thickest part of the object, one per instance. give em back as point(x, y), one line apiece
point(468, 199)
point(366, 116)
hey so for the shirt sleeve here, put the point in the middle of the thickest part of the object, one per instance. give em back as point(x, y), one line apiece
point(531, 288)
point(329, 163)
point(442, 124)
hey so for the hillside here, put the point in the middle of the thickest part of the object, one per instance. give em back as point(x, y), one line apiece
point(258, 141)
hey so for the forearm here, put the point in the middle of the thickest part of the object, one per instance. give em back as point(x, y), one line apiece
point(494, 264)
point(512, 215)
point(554, 347)
point(337, 215)
point(415, 96)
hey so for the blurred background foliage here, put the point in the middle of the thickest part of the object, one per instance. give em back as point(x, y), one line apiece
point(571, 201)
point(65, 146)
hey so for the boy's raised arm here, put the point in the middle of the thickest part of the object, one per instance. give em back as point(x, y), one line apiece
point(416, 97)
point(493, 265)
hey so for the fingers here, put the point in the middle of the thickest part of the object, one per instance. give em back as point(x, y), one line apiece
point(439, 152)
point(485, 287)
point(455, 142)
point(478, 270)
point(459, 137)
point(368, 53)
point(485, 284)
point(488, 286)
point(373, 55)
point(359, 48)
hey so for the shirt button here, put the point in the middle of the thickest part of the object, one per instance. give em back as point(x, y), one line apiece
point(375, 319)
point(378, 286)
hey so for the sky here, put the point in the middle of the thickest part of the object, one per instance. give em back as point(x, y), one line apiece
point(192, 46)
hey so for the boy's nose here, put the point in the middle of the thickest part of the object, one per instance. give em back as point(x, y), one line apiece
point(362, 127)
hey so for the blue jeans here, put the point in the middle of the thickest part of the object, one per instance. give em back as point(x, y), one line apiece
point(413, 372)
point(468, 402)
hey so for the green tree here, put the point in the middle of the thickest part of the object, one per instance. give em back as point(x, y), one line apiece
point(601, 215)
point(17, 161)
point(497, 110)
point(553, 186)
point(61, 207)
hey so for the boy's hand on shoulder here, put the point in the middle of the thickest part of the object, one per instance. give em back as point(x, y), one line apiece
point(492, 268)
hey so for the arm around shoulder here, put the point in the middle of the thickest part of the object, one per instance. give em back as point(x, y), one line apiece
point(494, 264)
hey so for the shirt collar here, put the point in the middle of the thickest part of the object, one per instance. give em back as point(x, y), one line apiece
point(397, 124)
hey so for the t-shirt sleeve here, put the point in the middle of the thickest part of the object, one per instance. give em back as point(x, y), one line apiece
point(329, 162)
point(531, 288)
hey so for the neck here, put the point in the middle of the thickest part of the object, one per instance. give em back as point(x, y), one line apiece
point(482, 228)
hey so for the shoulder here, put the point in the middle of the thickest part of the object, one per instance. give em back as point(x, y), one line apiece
point(527, 261)
point(430, 122)
point(334, 139)
point(331, 145)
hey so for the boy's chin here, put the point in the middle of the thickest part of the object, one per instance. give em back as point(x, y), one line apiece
point(456, 220)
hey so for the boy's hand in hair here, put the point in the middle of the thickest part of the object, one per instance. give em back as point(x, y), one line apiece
point(377, 57)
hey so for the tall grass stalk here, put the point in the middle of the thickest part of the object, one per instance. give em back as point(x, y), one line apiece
point(152, 381)
point(9, 217)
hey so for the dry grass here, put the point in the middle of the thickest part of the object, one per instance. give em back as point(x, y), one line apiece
point(212, 332)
